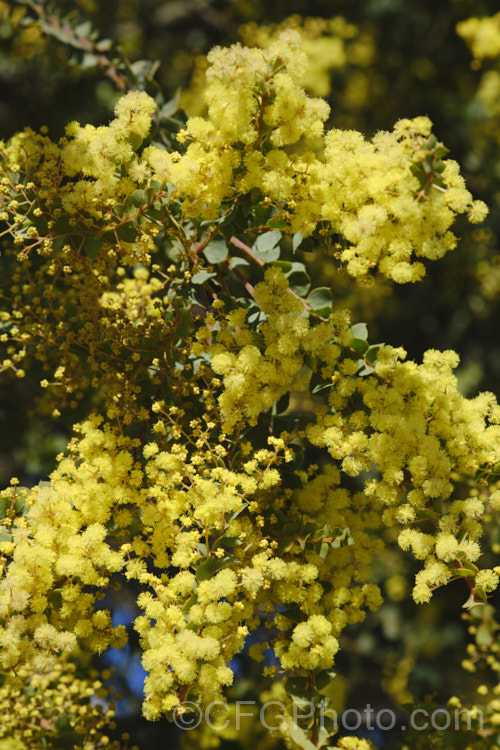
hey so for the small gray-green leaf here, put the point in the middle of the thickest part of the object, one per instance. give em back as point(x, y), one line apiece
point(300, 282)
point(371, 353)
point(267, 241)
point(216, 251)
point(139, 198)
point(237, 261)
point(299, 736)
point(201, 277)
point(297, 240)
point(171, 107)
point(360, 331)
point(320, 298)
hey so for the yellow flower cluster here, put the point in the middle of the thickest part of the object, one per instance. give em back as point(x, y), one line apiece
point(102, 514)
point(56, 709)
point(419, 432)
point(365, 191)
point(312, 645)
point(328, 43)
point(482, 35)
point(96, 154)
point(192, 483)
point(56, 549)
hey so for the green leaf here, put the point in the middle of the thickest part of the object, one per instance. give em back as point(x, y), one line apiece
point(135, 140)
point(480, 594)
point(92, 246)
point(364, 369)
point(285, 545)
point(277, 224)
point(104, 45)
point(185, 325)
point(20, 507)
point(285, 265)
point(226, 541)
point(223, 562)
point(267, 241)
point(296, 240)
point(300, 282)
point(297, 686)
point(55, 599)
point(63, 722)
point(267, 256)
point(202, 276)
point(471, 603)
point(4, 504)
point(310, 528)
point(321, 387)
point(205, 569)
point(190, 602)
point(326, 730)
point(216, 251)
point(343, 538)
point(320, 299)
point(300, 738)
point(371, 353)
point(294, 613)
point(89, 61)
point(322, 549)
point(3, 678)
point(139, 198)
point(171, 107)
point(63, 225)
point(266, 246)
point(324, 678)
point(441, 151)
point(360, 331)
point(84, 29)
point(321, 533)
point(282, 404)
point(464, 573)
point(127, 232)
point(134, 528)
point(237, 261)
point(359, 345)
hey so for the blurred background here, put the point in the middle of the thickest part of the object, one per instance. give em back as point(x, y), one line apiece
point(377, 61)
